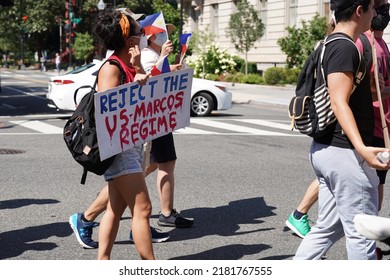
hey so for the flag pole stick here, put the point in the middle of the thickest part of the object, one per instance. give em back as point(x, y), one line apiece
point(378, 92)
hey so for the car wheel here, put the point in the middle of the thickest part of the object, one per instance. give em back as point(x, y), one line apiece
point(201, 105)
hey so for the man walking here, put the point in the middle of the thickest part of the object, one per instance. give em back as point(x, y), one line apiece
point(343, 160)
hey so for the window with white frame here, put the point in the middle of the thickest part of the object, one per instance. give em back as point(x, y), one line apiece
point(263, 13)
point(215, 19)
point(292, 12)
point(326, 10)
point(234, 6)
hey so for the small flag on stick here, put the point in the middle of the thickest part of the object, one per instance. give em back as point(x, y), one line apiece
point(162, 66)
point(184, 42)
point(154, 24)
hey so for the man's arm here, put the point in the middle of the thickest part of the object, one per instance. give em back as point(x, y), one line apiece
point(340, 85)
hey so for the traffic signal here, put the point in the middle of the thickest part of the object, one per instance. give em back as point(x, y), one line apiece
point(24, 18)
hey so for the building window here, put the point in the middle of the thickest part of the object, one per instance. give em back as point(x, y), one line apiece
point(326, 11)
point(292, 12)
point(263, 13)
point(234, 6)
point(215, 19)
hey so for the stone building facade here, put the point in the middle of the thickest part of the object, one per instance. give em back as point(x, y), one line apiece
point(277, 15)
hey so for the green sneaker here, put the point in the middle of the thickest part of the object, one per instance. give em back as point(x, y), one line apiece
point(301, 227)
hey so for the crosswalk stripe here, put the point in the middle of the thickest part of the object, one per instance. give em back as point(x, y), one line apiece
point(204, 127)
point(265, 123)
point(237, 128)
point(40, 126)
point(190, 130)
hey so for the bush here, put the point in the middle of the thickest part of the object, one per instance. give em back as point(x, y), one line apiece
point(252, 79)
point(234, 78)
point(239, 63)
point(275, 76)
point(212, 77)
point(252, 68)
point(213, 61)
point(292, 75)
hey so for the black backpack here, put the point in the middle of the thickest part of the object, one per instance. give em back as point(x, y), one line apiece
point(310, 110)
point(80, 132)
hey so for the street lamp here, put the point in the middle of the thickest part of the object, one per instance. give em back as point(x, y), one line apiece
point(181, 17)
point(101, 6)
point(22, 66)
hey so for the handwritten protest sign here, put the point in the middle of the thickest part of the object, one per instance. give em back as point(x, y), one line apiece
point(131, 114)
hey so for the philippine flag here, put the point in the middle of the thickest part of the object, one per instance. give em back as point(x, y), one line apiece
point(154, 24)
point(162, 66)
point(184, 42)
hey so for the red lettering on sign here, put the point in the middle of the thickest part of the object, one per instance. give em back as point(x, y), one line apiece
point(124, 133)
point(110, 128)
point(179, 99)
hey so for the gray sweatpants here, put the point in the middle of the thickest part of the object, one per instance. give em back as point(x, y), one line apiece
point(347, 186)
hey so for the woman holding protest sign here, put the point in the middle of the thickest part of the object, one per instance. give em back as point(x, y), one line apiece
point(163, 153)
point(126, 182)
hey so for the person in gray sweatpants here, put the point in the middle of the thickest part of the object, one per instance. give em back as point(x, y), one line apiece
point(341, 197)
point(343, 158)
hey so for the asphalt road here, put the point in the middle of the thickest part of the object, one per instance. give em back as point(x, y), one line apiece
point(239, 188)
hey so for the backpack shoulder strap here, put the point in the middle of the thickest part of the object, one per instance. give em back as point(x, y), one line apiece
point(112, 62)
point(367, 54)
point(361, 70)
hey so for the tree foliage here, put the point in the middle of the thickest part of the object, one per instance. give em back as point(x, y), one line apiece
point(244, 29)
point(39, 24)
point(41, 28)
point(84, 46)
point(299, 42)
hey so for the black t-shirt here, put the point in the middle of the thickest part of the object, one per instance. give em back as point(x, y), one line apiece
point(343, 56)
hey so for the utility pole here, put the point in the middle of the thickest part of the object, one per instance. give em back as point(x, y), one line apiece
point(181, 17)
point(59, 21)
point(22, 66)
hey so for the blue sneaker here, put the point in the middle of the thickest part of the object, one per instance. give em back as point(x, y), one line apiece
point(83, 231)
point(157, 236)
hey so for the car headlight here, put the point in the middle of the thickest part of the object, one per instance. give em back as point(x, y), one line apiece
point(221, 88)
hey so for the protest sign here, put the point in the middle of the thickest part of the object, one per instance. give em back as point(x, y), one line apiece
point(131, 114)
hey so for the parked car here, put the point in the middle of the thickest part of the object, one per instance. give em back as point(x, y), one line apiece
point(206, 95)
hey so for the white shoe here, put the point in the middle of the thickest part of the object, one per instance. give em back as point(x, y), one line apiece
point(372, 227)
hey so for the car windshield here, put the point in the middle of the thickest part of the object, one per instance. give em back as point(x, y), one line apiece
point(81, 69)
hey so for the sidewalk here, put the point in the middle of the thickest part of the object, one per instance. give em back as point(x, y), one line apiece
point(241, 93)
point(252, 94)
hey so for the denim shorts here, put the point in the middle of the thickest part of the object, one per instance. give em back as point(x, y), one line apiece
point(127, 162)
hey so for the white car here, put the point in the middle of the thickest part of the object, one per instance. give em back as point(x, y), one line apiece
point(206, 95)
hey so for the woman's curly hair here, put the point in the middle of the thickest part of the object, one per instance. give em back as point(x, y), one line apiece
point(108, 29)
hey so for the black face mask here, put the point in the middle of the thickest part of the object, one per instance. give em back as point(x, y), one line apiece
point(381, 20)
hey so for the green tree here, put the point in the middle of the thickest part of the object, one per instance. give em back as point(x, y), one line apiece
point(200, 44)
point(244, 29)
point(83, 46)
point(37, 25)
point(299, 42)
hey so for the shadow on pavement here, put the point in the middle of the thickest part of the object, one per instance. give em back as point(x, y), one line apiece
point(17, 203)
point(16, 242)
point(229, 252)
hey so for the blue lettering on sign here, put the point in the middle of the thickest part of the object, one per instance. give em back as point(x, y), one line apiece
point(132, 94)
point(112, 101)
point(103, 104)
point(140, 96)
point(122, 92)
point(183, 81)
point(152, 88)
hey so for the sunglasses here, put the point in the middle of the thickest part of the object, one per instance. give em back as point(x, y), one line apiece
point(140, 33)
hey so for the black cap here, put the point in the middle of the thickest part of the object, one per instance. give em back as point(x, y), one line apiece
point(341, 5)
